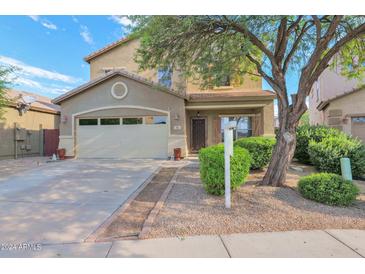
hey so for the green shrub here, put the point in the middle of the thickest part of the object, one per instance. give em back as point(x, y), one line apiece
point(260, 149)
point(212, 168)
point(307, 133)
point(328, 188)
point(326, 155)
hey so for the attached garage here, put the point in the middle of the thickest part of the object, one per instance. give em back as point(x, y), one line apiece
point(122, 137)
point(121, 116)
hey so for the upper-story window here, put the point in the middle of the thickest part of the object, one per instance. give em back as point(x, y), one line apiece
point(165, 77)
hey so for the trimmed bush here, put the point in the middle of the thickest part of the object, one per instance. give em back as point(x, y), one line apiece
point(307, 133)
point(260, 149)
point(326, 155)
point(212, 168)
point(328, 188)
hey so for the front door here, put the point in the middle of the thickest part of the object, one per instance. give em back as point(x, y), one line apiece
point(198, 134)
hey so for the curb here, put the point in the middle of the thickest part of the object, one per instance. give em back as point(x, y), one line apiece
point(101, 229)
point(147, 225)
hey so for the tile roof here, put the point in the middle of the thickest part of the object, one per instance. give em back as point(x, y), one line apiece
point(234, 95)
point(108, 47)
point(113, 73)
point(323, 104)
point(42, 103)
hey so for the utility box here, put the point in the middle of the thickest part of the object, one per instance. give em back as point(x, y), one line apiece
point(20, 134)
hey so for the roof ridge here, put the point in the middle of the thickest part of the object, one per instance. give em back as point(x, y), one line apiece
point(115, 72)
point(324, 103)
point(107, 48)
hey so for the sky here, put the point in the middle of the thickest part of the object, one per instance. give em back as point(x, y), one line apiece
point(49, 50)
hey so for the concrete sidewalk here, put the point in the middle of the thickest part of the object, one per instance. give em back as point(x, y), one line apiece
point(291, 244)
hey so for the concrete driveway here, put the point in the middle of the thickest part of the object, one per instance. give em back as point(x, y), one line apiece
point(64, 202)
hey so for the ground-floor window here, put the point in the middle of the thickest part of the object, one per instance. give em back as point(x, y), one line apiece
point(243, 129)
point(155, 120)
point(109, 121)
point(132, 121)
point(358, 120)
point(88, 122)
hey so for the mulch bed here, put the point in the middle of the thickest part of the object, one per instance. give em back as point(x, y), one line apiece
point(189, 210)
point(129, 223)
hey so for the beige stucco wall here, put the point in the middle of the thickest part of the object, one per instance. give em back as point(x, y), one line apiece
point(139, 96)
point(248, 84)
point(31, 121)
point(331, 84)
point(339, 112)
point(268, 123)
point(122, 56)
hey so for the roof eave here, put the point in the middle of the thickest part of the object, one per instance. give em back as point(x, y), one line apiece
point(233, 99)
point(136, 78)
point(105, 49)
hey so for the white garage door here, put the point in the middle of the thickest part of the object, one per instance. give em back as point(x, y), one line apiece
point(122, 137)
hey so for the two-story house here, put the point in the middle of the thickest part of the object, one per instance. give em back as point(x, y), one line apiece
point(126, 113)
point(338, 102)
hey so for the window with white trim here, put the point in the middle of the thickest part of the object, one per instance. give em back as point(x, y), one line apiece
point(164, 77)
point(132, 121)
point(109, 121)
point(243, 129)
point(155, 120)
point(88, 122)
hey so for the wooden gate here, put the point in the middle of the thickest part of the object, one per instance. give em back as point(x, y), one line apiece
point(51, 138)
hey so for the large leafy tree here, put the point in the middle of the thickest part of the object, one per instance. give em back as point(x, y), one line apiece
point(4, 84)
point(212, 47)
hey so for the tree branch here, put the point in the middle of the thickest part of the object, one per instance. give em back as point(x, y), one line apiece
point(260, 70)
point(253, 39)
point(317, 22)
point(294, 25)
point(322, 65)
point(281, 40)
point(307, 25)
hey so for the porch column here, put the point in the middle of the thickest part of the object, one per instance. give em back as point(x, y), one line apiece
point(267, 122)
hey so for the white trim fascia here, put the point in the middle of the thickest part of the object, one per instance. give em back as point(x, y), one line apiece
point(178, 135)
point(120, 106)
point(240, 114)
point(197, 107)
point(65, 136)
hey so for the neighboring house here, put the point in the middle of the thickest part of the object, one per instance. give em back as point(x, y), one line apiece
point(126, 113)
point(338, 102)
point(24, 123)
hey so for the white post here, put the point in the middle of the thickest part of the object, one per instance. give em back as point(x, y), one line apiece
point(228, 152)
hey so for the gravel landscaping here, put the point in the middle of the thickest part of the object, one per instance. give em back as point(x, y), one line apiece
point(128, 224)
point(188, 210)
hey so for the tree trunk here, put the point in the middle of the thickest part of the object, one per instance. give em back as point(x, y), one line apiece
point(282, 155)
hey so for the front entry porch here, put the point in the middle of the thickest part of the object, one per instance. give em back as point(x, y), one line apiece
point(205, 125)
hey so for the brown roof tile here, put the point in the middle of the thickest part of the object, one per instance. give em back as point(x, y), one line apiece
point(107, 48)
point(323, 104)
point(113, 73)
point(42, 103)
